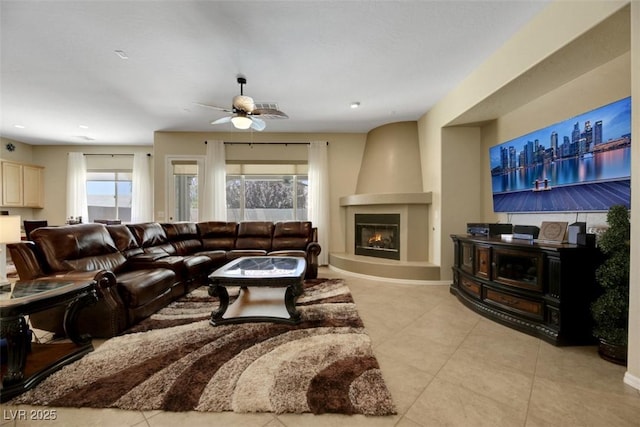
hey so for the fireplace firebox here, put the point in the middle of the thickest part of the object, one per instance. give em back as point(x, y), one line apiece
point(378, 235)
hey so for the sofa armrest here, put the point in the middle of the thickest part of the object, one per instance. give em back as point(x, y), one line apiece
point(313, 248)
point(104, 320)
point(104, 278)
point(26, 259)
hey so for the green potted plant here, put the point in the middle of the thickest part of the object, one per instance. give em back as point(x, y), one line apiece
point(611, 309)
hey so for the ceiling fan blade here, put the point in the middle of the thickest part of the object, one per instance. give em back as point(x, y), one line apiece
point(214, 107)
point(257, 124)
point(269, 113)
point(222, 120)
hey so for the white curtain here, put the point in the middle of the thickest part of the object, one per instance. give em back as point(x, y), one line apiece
point(77, 187)
point(141, 191)
point(214, 194)
point(319, 195)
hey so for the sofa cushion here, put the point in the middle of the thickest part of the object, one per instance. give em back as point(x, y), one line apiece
point(124, 240)
point(218, 235)
point(289, 252)
point(111, 262)
point(152, 238)
point(183, 236)
point(237, 253)
point(218, 258)
point(254, 235)
point(85, 247)
point(291, 235)
point(137, 287)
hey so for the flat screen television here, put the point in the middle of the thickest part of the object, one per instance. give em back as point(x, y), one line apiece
point(579, 164)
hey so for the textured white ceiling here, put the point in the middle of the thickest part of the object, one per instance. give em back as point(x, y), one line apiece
point(397, 58)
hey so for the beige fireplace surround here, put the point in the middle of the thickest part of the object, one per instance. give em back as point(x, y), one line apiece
point(414, 234)
point(390, 181)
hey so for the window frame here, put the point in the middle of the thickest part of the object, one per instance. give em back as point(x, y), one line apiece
point(170, 190)
point(243, 177)
point(116, 198)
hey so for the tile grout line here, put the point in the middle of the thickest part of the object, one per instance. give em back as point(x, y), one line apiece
point(439, 369)
point(533, 382)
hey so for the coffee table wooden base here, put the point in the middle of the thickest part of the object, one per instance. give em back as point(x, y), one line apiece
point(257, 304)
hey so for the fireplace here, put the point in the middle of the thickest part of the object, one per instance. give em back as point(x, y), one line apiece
point(377, 235)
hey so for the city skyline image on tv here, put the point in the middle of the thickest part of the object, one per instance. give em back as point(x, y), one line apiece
point(579, 164)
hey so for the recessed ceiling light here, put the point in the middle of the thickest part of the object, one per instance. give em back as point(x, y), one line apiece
point(19, 126)
point(354, 105)
point(83, 127)
point(121, 54)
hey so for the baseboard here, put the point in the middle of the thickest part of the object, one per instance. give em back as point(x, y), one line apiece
point(393, 280)
point(632, 380)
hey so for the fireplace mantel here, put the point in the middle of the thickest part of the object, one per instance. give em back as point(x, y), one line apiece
point(386, 199)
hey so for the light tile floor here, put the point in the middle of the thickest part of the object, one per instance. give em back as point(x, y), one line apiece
point(444, 365)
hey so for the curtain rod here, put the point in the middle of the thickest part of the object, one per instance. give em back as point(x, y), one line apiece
point(112, 154)
point(267, 143)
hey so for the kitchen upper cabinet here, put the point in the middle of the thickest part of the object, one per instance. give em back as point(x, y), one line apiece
point(22, 185)
point(33, 186)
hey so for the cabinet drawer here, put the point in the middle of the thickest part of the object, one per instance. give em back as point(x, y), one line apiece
point(513, 303)
point(470, 286)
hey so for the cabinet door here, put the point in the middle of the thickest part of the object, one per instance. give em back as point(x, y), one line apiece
point(12, 184)
point(33, 185)
point(522, 269)
point(466, 261)
point(483, 261)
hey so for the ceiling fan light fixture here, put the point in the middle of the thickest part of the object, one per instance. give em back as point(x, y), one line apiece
point(241, 122)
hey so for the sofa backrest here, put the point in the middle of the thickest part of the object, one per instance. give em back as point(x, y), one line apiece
point(83, 247)
point(125, 241)
point(152, 238)
point(183, 236)
point(254, 235)
point(218, 235)
point(292, 235)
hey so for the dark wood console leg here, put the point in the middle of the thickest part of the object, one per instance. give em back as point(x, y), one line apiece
point(223, 295)
point(15, 332)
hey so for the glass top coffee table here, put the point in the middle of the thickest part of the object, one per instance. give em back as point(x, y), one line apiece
point(269, 287)
point(29, 363)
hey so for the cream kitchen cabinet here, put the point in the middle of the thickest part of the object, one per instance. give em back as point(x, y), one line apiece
point(22, 185)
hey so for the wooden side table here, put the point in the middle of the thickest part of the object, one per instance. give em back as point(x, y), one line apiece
point(26, 368)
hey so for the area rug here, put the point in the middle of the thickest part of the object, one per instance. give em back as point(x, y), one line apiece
point(176, 361)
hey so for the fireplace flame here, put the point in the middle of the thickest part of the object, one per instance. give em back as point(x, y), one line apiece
point(376, 238)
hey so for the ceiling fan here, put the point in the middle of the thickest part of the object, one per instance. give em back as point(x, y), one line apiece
point(246, 114)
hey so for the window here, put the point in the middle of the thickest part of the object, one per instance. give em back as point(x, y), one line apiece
point(185, 184)
point(109, 195)
point(263, 192)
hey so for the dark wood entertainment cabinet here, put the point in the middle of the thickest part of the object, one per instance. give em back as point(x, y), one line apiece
point(541, 289)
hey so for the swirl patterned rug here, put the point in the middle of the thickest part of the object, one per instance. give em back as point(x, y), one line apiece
point(176, 361)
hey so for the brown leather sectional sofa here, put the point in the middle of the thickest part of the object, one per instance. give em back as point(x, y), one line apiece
point(141, 268)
